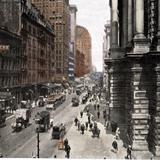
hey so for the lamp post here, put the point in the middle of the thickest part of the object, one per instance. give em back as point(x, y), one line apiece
point(38, 142)
point(37, 120)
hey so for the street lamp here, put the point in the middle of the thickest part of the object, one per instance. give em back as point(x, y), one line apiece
point(37, 121)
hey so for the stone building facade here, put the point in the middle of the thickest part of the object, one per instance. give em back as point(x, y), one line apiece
point(72, 50)
point(83, 45)
point(37, 45)
point(58, 13)
point(10, 67)
point(134, 72)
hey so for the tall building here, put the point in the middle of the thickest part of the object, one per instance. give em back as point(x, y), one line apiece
point(134, 71)
point(83, 45)
point(57, 12)
point(72, 50)
point(37, 45)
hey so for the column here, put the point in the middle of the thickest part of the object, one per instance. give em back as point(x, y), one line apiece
point(139, 18)
point(158, 33)
point(157, 117)
point(125, 22)
point(130, 16)
point(114, 23)
point(141, 44)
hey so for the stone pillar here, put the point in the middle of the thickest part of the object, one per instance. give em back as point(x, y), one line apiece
point(158, 33)
point(141, 44)
point(114, 23)
point(140, 114)
point(157, 117)
point(130, 17)
point(125, 22)
point(140, 18)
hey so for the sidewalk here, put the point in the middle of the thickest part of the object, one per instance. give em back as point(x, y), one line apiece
point(85, 146)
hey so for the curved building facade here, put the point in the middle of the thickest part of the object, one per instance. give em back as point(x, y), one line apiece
point(83, 46)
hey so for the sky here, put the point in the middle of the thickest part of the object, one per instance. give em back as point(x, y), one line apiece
point(93, 15)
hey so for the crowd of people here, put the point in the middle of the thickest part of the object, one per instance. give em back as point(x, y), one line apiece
point(90, 125)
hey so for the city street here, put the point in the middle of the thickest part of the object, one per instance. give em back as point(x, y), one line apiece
point(85, 146)
point(23, 143)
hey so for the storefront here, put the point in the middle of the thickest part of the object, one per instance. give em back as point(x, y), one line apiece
point(5, 100)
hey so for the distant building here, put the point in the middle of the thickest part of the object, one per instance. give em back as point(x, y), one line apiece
point(83, 45)
point(80, 64)
point(37, 44)
point(72, 50)
point(58, 13)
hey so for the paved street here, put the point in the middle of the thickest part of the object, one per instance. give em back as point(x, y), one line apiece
point(24, 143)
point(85, 146)
point(12, 144)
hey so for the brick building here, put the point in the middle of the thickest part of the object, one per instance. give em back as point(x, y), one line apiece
point(37, 44)
point(83, 45)
point(134, 72)
point(80, 64)
point(57, 12)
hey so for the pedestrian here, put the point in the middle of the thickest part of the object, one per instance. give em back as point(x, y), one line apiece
point(89, 119)
point(81, 114)
point(1, 155)
point(68, 148)
point(65, 143)
point(104, 114)
point(115, 146)
point(90, 126)
point(78, 124)
point(98, 106)
point(94, 106)
point(129, 152)
point(86, 125)
point(76, 120)
point(55, 156)
point(98, 114)
point(82, 128)
point(107, 124)
point(117, 133)
point(87, 110)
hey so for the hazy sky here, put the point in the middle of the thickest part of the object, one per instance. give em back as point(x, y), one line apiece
point(93, 14)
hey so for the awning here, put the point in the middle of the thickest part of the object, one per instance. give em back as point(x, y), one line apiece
point(51, 85)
